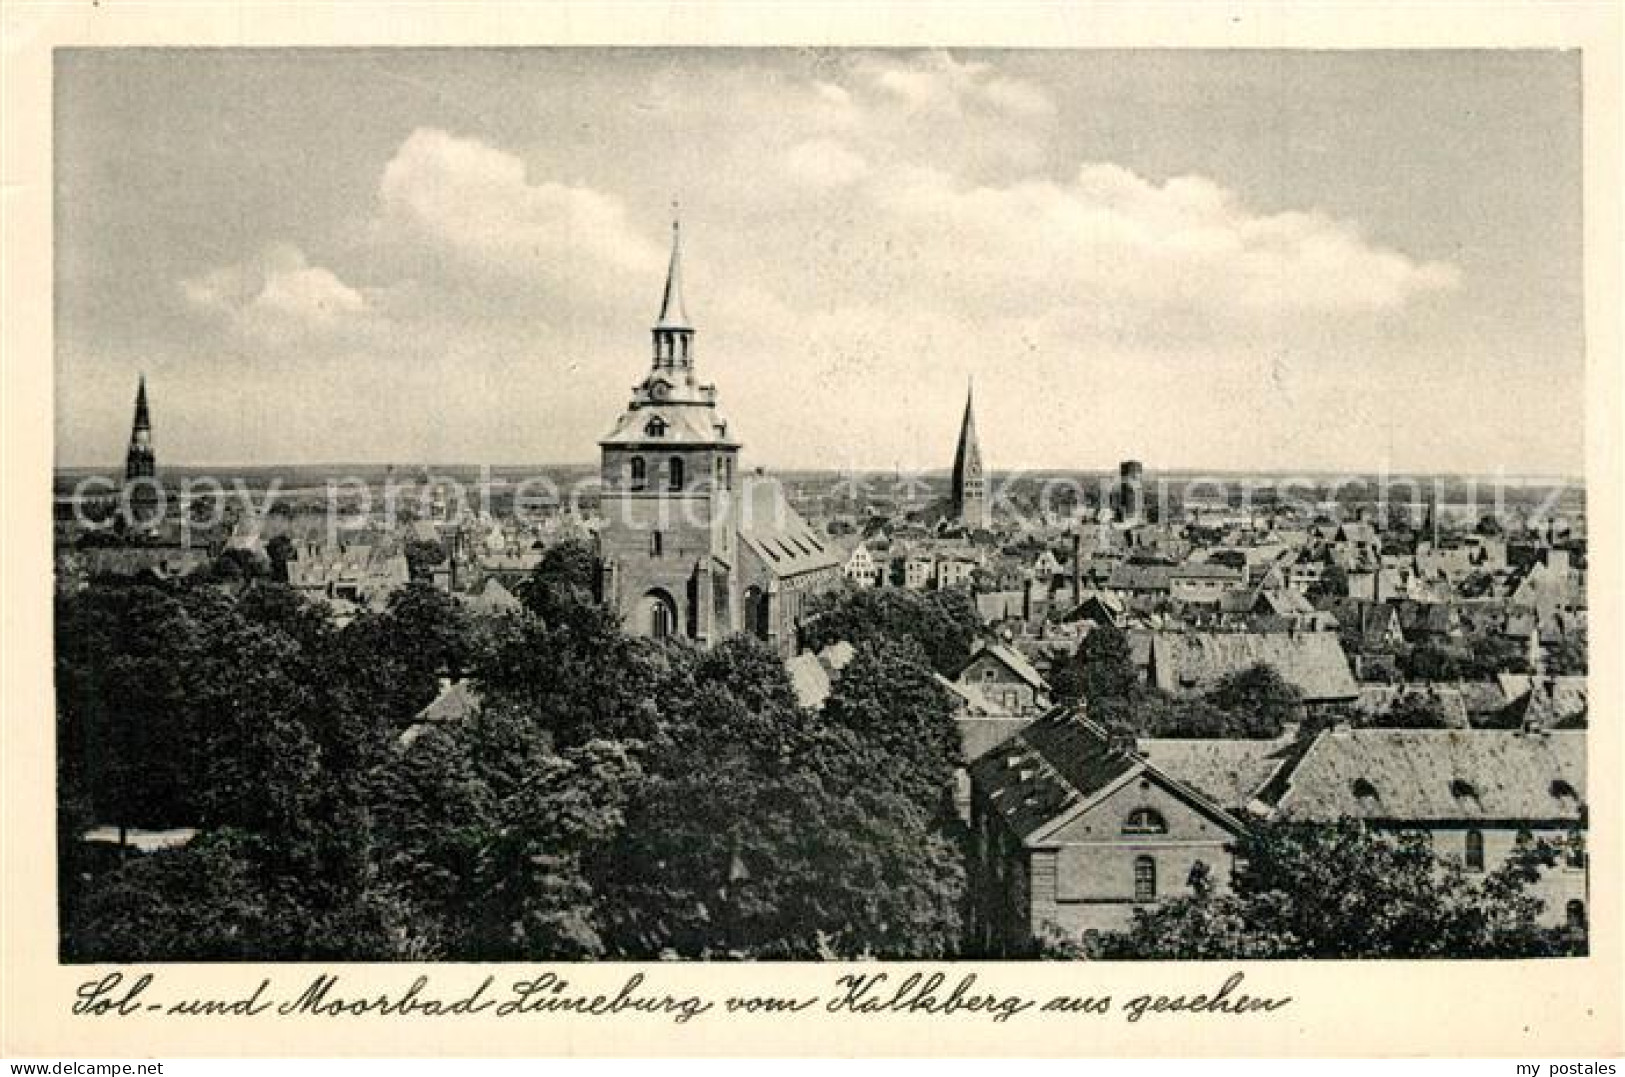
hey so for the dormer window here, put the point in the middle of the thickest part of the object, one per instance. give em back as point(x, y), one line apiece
point(656, 427)
point(1462, 789)
point(1364, 791)
point(1562, 790)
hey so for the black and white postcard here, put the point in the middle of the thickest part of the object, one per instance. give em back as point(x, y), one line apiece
point(1019, 533)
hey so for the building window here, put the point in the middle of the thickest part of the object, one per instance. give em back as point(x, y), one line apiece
point(1145, 821)
point(1475, 850)
point(657, 543)
point(656, 427)
point(637, 473)
point(674, 473)
point(1145, 879)
point(659, 615)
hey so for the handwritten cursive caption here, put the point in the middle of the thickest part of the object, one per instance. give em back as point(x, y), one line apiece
point(119, 994)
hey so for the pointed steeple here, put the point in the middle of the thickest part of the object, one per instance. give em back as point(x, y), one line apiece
point(143, 420)
point(139, 462)
point(673, 336)
point(969, 493)
point(672, 313)
point(968, 451)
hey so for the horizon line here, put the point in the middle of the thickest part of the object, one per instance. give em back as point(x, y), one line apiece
point(1109, 469)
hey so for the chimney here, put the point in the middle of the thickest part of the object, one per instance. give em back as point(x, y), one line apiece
point(1077, 565)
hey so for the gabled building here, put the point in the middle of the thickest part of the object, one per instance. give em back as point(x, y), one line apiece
point(1005, 680)
point(1073, 830)
point(861, 566)
point(1475, 794)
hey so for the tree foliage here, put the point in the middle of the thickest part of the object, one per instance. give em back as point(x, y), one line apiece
point(611, 796)
point(1107, 666)
point(942, 624)
point(1344, 890)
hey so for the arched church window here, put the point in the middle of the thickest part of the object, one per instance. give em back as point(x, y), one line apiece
point(674, 473)
point(1475, 850)
point(637, 473)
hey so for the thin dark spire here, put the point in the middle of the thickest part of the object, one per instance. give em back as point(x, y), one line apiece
point(672, 313)
point(143, 420)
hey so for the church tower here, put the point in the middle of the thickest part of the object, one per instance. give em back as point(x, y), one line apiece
point(969, 507)
point(139, 462)
point(667, 545)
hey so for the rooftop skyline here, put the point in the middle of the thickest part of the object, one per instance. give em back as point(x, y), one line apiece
point(1234, 260)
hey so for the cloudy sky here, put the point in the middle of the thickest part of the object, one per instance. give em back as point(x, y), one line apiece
point(1211, 260)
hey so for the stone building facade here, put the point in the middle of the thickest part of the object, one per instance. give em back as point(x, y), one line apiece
point(689, 547)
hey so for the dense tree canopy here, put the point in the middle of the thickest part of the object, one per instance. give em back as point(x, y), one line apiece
point(943, 624)
point(612, 796)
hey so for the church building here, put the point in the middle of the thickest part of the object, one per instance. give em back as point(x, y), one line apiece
point(969, 508)
point(139, 461)
point(689, 546)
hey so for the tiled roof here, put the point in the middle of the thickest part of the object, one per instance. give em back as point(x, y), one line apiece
point(493, 598)
point(1125, 577)
point(456, 701)
point(1545, 700)
point(998, 606)
point(1015, 661)
point(1425, 776)
point(1313, 662)
point(1376, 700)
point(1230, 772)
point(786, 543)
point(1057, 762)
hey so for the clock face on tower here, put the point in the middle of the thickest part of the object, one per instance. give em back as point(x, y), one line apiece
point(660, 390)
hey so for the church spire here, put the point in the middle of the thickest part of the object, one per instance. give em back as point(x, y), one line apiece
point(969, 493)
point(143, 420)
point(138, 461)
point(672, 314)
point(673, 336)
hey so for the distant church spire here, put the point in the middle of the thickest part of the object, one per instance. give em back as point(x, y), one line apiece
point(673, 335)
point(969, 506)
point(139, 462)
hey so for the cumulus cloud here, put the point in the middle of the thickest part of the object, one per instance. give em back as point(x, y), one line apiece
point(884, 223)
point(476, 202)
point(1113, 238)
point(935, 81)
point(276, 293)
